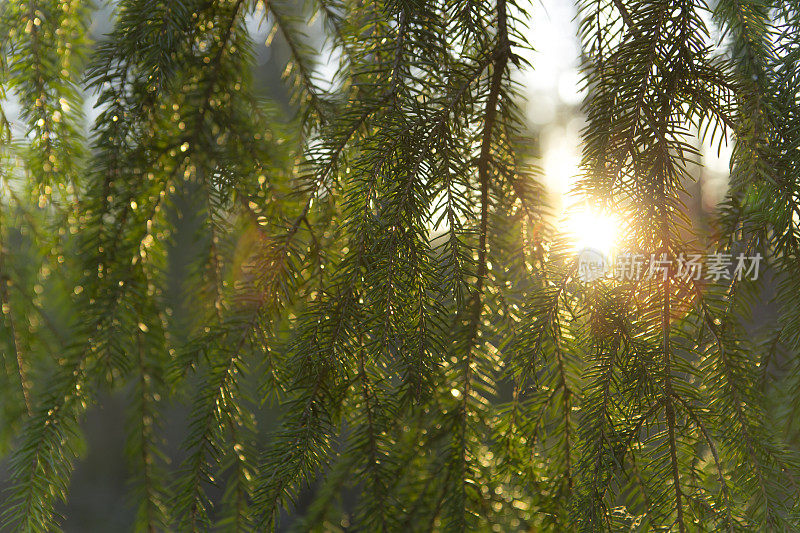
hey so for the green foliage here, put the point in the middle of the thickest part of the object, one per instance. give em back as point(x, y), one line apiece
point(373, 259)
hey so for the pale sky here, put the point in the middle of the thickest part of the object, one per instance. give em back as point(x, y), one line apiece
point(552, 83)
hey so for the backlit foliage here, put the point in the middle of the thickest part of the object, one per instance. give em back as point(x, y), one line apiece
point(373, 262)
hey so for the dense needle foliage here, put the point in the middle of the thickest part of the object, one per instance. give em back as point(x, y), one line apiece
point(376, 263)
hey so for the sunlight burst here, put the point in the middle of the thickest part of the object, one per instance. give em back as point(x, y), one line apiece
point(588, 228)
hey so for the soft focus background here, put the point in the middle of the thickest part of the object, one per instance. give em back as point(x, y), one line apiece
point(551, 90)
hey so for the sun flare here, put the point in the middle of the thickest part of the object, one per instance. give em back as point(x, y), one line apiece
point(588, 228)
point(584, 226)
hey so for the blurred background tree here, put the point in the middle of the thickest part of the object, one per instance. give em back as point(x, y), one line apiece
point(276, 265)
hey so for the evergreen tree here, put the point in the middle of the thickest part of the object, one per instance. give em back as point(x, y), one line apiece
point(377, 262)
